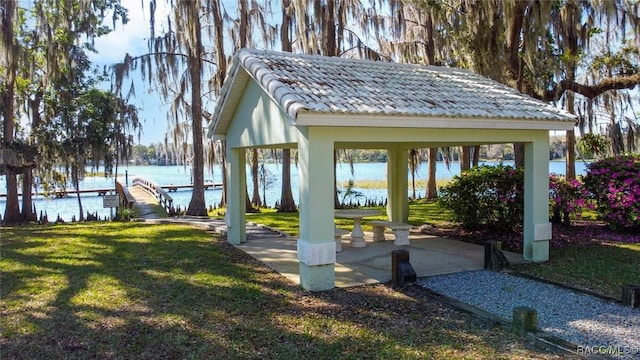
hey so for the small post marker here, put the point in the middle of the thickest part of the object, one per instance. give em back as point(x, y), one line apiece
point(525, 319)
point(631, 296)
point(401, 270)
point(494, 258)
point(488, 251)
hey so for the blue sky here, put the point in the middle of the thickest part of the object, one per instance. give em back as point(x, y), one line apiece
point(132, 38)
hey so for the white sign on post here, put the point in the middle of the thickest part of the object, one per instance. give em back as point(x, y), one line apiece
point(110, 201)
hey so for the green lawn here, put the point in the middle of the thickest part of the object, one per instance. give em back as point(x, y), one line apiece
point(420, 212)
point(131, 290)
point(603, 268)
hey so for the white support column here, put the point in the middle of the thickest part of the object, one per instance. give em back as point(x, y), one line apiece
point(397, 184)
point(235, 217)
point(316, 245)
point(537, 228)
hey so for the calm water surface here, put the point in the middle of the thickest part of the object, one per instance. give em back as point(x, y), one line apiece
point(179, 175)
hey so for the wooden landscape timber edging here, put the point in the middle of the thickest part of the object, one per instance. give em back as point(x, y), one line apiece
point(540, 338)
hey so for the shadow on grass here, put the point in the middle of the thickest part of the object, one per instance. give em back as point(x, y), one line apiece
point(167, 291)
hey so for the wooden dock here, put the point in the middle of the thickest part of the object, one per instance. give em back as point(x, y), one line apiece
point(146, 205)
point(103, 192)
point(61, 194)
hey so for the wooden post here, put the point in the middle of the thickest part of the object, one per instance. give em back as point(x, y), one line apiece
point(631, 296)
point(401, 270)
point(525, 319)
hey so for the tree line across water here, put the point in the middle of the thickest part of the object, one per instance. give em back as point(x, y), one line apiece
point(158, 154)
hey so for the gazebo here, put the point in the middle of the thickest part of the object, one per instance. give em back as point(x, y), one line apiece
point(318, 104)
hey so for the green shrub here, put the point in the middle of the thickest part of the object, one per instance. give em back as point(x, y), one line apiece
point(124, 214)
point(486, 196)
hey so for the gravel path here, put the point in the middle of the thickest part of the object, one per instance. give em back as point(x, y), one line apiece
point(592, 324)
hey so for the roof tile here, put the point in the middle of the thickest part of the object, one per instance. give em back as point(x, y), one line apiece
point(329, 84)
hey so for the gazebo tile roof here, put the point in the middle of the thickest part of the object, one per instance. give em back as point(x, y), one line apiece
point(320, 84)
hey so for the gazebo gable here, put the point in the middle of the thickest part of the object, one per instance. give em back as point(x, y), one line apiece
point(257, 121)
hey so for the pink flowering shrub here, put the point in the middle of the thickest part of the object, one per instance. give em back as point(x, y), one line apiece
point(567, 198)
point(488, 203)
point(615, 185)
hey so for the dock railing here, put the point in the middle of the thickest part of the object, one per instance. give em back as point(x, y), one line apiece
point(126, 199)
point(163, 197)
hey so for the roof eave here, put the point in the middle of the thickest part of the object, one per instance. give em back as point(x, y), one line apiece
point(226, 104)
point(308, 118)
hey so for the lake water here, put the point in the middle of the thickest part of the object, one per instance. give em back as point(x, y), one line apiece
point(178, 175)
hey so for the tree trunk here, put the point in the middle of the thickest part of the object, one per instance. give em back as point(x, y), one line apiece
point(518, 153)
point(255, 199)
point(264, 186)
point(571, 36)
point(476, 156)
point(570, 171)
point(414, 164)
point(285, 38)
point(515, 65)
point(12, 209)
point(413, 185)
point(247, 202)
point(329, 45)
point(197, 206)
point(247, 199)
point(223, 169)
point(76, 185)
point(571, 155)
point(286, 198)
point(465, 158)
point(28, 212)
point(432, 153)
point(432, 191)
point(27, 200)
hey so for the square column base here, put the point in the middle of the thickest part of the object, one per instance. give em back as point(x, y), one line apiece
point(317, 278)
point(536, 251)
point(540, 251)
point(536, 242)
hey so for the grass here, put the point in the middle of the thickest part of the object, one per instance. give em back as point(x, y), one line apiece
point(420, 212)
point(131, 290)
point(421, 184)
point(603, 267)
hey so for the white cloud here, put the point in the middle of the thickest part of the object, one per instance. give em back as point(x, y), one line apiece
point(132, 37)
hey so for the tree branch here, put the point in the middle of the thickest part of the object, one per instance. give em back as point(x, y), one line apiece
point(592, 91)
point(166, 53)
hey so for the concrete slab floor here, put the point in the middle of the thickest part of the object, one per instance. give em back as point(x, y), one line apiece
point(429, 255)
